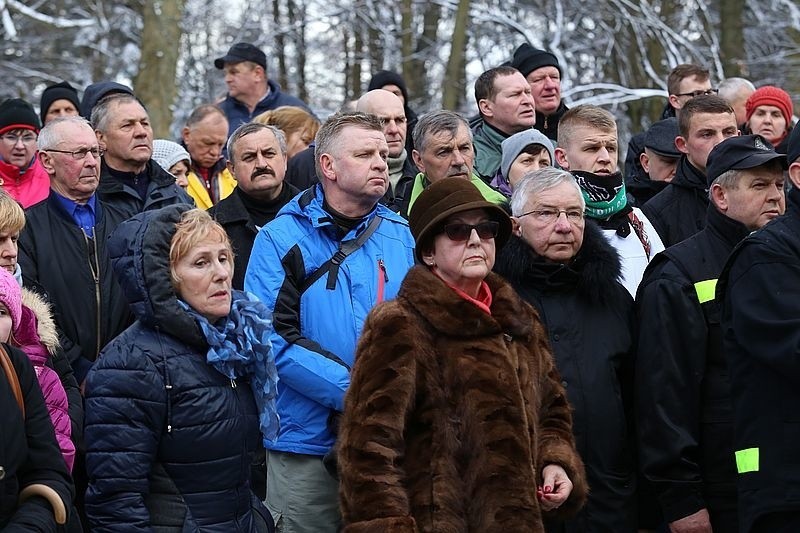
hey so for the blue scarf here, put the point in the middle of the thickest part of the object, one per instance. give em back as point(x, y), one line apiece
point(238, 346)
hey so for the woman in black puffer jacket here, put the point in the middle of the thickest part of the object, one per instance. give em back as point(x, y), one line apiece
point(171, 423)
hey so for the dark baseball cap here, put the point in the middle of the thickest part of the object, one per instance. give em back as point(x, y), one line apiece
point(660, 138)
point(242, 52)
point(739, 153)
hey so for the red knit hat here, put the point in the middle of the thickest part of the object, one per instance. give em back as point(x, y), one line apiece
point(769, 95)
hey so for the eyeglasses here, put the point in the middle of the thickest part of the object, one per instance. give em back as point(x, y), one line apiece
point(26, 138)
point(461, 232)
point(548, 216)
point(705, 92)
point(81, 153)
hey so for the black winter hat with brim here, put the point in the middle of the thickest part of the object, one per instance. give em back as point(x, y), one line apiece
point(444, 198)
point(740, 153)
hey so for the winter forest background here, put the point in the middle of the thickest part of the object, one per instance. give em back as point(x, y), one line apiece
point(615, 53)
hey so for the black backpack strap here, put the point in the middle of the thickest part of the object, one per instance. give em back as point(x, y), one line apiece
point(331, 266)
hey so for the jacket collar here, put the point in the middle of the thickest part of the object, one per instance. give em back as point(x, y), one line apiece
point(725, 228)
point(594, 272)
point(688, 176)
point(452, 315)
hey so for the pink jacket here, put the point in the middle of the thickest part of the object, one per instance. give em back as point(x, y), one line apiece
point(37, 337)
point(29, 188)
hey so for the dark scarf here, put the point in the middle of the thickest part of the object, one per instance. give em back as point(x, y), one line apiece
point(343, 223)
point(263, 211)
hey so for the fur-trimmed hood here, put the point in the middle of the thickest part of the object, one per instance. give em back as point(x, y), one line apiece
point(37, 324)
point(594, 272)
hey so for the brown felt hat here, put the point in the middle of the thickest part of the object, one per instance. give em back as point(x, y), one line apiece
point(446, 197)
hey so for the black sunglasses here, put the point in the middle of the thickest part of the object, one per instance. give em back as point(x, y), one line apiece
point(695, 94)
point(461, 232)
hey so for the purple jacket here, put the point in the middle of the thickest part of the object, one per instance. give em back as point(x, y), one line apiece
point(37, 337)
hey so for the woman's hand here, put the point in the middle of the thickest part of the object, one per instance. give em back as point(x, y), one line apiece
point(555, 488)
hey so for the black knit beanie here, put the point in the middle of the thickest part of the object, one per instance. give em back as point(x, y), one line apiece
point(387, 77)
point(58, 91)
point(527, 59)
point(16, 114)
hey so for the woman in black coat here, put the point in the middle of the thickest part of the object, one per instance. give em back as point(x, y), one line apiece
point(563, 265)
point(35, 487)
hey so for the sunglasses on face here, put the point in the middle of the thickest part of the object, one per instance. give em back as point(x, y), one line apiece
point(461, 232)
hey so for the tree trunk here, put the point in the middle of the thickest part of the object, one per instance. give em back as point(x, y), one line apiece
point(280, 44)
point(155, 82)
point(731, 36)
point(454, 79)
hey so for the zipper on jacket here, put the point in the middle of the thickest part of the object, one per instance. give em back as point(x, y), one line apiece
point(382, 279)
point(94, 266)
point(233, 383)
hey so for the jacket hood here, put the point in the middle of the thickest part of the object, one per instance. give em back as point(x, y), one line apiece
point(595, 271)
point(139, 252)
point(37, 333)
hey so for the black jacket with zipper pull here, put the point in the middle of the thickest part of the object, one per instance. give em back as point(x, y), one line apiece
point(683, 394)
point(56, 255)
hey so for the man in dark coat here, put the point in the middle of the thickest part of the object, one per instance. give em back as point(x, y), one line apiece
point(257, 160)
point(130, 181)
point(250, 91)
point(567, 270)
point(683, 396)
point(760, 306)
point(62, 247)
point(679, 211)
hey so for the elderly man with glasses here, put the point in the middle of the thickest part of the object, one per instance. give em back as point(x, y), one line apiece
point(21, 173)
point(62, 248)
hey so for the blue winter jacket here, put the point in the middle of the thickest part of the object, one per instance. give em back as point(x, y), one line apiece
point(169, 439)
point(316, 330)
point(238, 113)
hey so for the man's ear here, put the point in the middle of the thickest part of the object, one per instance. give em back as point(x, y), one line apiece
point(794, 173)
point(485, 107)
point(47, 162)
point(719, 197)
point(673, 101)
point(418, 160)
point(645, 161)
point(561, 158)
point(516, 228)
point(229, 166)
point(680, 144)
point(185, 133)
point(101, 139)
point(326, 164)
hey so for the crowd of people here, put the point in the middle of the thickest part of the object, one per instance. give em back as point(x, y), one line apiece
point(397, 323)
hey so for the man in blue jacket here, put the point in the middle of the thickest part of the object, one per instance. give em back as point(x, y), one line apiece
point(250, 91)
point(329, 256)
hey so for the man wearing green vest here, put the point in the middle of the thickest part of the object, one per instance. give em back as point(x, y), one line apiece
point(442, 148)
point(683, 394)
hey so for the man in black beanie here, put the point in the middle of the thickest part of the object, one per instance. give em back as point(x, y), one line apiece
point(59, 100)
point(543, 73)
point(394, 83)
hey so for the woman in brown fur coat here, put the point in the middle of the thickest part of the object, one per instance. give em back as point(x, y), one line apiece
point(455, 419)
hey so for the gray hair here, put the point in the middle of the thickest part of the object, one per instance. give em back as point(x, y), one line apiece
point(538, 181)
point(102, 111)
point(730, 178)
point(437, 122)
point(730, 88)
point(200, 112)
point(327, 139)
point(49, 137)
point(251, 127)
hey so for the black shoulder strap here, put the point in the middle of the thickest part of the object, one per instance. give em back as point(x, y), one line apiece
point(331, 266)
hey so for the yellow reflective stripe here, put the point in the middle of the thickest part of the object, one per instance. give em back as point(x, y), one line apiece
point(705, 290)
point(747, 460)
